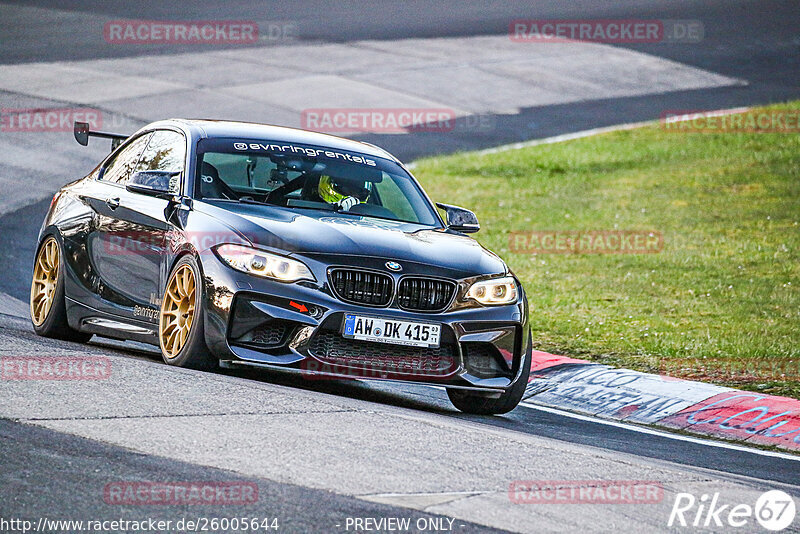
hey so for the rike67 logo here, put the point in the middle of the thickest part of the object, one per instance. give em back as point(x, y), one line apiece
point(773, 510)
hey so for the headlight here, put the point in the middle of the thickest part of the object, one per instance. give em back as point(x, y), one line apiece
point(264, 264)
point(494, 292)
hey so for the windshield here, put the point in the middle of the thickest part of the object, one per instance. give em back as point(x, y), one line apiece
point(309, 177)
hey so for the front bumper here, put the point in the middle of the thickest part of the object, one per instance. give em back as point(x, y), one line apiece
point(297, 327)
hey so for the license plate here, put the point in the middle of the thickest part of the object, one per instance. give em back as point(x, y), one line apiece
point(409, 333)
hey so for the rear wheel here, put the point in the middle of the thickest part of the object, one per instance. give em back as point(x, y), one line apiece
point(48, 309)
point(475, 403)
point(180, 325)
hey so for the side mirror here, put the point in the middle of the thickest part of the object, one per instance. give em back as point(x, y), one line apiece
point(161, 184)
point(460, 219)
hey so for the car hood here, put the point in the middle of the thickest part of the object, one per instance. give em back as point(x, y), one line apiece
point(342, 239)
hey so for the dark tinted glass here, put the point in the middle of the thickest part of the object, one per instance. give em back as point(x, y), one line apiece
point(290, 175)
point(166, 151)
point(119, 169)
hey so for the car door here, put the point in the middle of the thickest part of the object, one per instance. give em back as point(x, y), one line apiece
point(108, 257)
point(144, 220)
point(133, 257)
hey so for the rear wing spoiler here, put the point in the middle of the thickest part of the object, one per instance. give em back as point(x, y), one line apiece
point(82, 134)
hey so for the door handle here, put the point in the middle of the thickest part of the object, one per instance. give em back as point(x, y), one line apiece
point(112, 203)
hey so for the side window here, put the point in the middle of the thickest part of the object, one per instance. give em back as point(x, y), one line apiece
point(395, 199)
point(120, 168)
point(166, 151)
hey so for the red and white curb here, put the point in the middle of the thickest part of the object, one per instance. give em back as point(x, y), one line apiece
point(696, 407)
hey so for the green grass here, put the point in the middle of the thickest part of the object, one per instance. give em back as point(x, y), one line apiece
point(725, 289)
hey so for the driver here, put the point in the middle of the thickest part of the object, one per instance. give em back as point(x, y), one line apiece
point(342, 192)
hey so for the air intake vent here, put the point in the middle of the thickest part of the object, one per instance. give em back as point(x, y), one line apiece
point(424, 294)
point(362, 287)
point(484, 361)
point(384, 358)
point(270, 334)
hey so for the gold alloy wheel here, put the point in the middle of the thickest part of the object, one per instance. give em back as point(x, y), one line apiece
point(177, 311)
point(45, 280)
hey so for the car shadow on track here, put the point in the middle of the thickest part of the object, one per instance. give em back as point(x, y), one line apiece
point(401, 395)
point(415, 397)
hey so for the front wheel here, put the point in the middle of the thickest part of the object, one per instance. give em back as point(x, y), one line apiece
point(475, 403)
point(180, 324)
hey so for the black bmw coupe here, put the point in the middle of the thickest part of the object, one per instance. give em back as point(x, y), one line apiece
point(235, 244)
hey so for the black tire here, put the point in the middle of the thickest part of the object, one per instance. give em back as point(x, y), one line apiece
point(475, 403)
point(55, 324)
point(194, 354)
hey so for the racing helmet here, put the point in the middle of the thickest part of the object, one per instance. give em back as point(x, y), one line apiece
point(333, 190)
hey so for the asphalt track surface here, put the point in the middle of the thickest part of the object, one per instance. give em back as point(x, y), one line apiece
point(86, 466)
point(755, 41)
point(48, 470)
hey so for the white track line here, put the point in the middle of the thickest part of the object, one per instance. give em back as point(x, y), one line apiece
point(652, 432)
point(663, 434)
point(605, 129)
point(564, 137)
point(589, 133)
point(554, 139)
